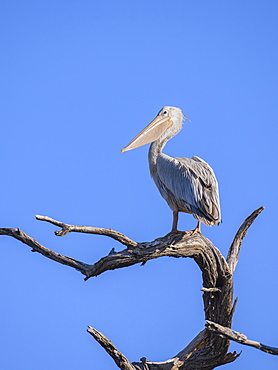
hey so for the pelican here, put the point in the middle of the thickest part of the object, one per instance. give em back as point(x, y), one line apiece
point(187, 184)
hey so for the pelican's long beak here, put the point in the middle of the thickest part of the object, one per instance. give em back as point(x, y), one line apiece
point(150, 133)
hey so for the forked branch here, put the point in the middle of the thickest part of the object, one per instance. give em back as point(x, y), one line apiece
point(172, 245)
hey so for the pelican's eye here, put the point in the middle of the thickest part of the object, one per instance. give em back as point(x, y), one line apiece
point(165, 112)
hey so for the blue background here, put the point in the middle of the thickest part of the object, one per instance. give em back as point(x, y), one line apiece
point(79, 79)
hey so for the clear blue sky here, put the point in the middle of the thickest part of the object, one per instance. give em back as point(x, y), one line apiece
point(79, 79)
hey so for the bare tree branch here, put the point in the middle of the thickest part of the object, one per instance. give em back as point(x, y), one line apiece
point(239, 337)
point(209, 348)
point(120, 360)
point(172, 245)
point(37, 247)
point(233, 253)
point(88, 230)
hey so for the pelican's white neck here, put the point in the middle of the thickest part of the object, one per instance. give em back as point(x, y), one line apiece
point(157, 146)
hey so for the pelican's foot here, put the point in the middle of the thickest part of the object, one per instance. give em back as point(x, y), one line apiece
point(197, 229)
point(176, 232)
point(194, 232)
point(189, 232)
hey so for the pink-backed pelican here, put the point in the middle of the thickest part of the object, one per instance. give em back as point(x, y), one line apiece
point(187, 184)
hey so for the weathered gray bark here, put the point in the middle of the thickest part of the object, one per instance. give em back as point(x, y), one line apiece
point(209, 348)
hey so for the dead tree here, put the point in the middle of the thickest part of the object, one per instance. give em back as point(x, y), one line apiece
point(209, 348)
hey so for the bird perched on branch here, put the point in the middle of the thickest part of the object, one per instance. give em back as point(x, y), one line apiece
point(187, 184)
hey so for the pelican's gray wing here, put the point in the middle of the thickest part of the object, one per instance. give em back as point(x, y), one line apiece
point(192, 183)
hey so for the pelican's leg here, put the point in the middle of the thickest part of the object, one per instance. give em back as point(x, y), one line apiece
point(197, 229)
point(175, 226)
point(175, 221)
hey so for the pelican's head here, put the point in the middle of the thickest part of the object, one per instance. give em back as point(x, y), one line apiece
point(167, 117)
point(173, 113)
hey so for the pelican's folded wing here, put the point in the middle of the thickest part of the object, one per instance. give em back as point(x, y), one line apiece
point(191, 181)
